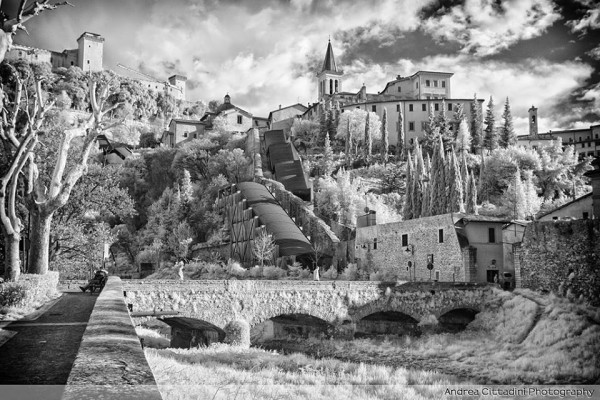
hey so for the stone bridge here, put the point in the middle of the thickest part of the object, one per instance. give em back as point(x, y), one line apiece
point(338, 303)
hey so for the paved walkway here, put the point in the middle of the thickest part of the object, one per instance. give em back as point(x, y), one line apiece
point(43, 350)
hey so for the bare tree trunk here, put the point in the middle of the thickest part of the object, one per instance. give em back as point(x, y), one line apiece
point(12, 261)
point(39, 241)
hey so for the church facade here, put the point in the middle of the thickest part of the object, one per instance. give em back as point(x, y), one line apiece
point(414, 97)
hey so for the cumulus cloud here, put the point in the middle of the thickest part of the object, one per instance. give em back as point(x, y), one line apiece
point(589, 21)
point(486, 27)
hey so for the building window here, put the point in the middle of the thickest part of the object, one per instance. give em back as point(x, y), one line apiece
point(491, 235)
point(412, 141)
point(411, 126)
point(375, 244)
point(239, 119)
point(405, 240)
point(374, 108)
point(428, 97)
point(399, 89)
point(417, 85)
point(440, 236)
point(185, 134)
point(423, 107)
point(586, 215)
point(443, 84)
point(570, 140)
point(589, 144)
point(580, 139)
point(437, 107)
point(449, 106)
point(195, 135)
point(435, 83)
point(437, 275)
point(596, 136)
point(410, 107)
point(398, 107)
point(88, 61)
point(427, 83)
point(72, 63)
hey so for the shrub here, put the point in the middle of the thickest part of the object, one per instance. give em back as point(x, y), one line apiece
point(350, 273)
point(255, 272)
point(11, 294)
point(274, 273)
point(237, 333)
point(235, 269)
point(331, 273)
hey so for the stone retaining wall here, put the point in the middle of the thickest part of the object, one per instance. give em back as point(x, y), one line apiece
point(562, 257)
point(110, 362)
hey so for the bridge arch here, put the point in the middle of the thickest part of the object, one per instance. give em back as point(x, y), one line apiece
point(291, 309)
point(374, 308)
point(476, 308)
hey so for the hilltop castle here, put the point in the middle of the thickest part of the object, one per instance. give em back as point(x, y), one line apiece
point(89, 56)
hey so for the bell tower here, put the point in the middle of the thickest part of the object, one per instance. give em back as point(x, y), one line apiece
point(533, 121)
point(329, 80)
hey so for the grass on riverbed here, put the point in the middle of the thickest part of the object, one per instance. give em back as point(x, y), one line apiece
point(222, 371)
point(516, 340)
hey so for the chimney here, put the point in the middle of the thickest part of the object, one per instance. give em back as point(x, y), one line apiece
point(280, 106)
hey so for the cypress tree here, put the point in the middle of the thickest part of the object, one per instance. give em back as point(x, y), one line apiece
point(408, 197)
point(385, 139)
point(464, 172)
point(459, 115)
point(456, 203)
point(490, 139)
point(438, 196)
point(471, 201)
point(463, 137)
point(400, 148)
point(507, 132)
point(368, 138)
point(327, 160)
point(323, 122)
point(419, 175)
point(476, 125)
point(348, 143)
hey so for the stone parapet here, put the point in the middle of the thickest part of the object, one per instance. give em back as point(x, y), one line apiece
point(110, 362)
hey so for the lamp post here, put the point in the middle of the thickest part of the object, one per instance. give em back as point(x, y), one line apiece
point(410, 249)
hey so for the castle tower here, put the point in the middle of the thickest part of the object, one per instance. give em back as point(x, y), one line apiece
point(533, 121)
point(177, 89)
point(330, 78)
point(90, 52)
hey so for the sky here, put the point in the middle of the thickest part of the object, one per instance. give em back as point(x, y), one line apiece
point(266, 53)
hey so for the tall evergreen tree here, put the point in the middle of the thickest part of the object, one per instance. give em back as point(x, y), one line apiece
point(327, 160)
point(490, 139)
point(323, 122)
point(438, 180)
point(348, 144)
point(455, 189)
point(385, 136)
point(400, 146)
point(476, 125)
point(464, 173)
point(408, 197)
point(463, 138)
point(471, 200)
point(419, 176)
point(507, 131)
point(368, 138)
point(459, 115)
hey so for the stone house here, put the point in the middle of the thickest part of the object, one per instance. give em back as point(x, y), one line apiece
point(236, 119)
point(283, 118)
point(448, 248)
point(580, 208)
point(182, 131)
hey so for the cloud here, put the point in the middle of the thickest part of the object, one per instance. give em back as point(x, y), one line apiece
point(486, 27)
point(594, 53)
point(589, 21)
